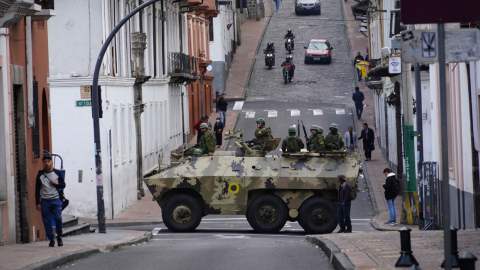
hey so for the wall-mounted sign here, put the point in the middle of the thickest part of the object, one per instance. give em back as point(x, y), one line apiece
point(83, 103)
point(85, 92)
point(395, 65)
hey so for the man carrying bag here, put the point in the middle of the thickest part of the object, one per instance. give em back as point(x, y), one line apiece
point(49, 198)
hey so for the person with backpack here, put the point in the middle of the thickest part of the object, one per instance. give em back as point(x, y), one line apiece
point(345, 195)
point(292, 143)
point(392, 189)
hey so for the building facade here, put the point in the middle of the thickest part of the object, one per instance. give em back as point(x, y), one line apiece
point(146, 48)
point(25, 129)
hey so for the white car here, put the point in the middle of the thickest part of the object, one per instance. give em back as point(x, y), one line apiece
point(308, 6)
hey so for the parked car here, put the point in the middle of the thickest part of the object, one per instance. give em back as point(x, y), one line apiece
point(318, 50)
point(308, 6)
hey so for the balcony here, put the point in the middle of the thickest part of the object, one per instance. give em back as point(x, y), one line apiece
point(48, 10)
point(14, 11)
point(183, 68)
point(374, 83)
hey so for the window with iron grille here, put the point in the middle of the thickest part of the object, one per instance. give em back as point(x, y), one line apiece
point(36, 125)
point(210, 29)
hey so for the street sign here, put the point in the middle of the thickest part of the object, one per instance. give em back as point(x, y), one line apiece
point(83, 103)
point(439, 11)
point(420, 46)
point(395, 65)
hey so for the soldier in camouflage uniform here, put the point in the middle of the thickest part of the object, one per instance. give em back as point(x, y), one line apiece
point(206, 145)
point(262, 134)
point(292, 143)
point(315, 142)
point(333, 140)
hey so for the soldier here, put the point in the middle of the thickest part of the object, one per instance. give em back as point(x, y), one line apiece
point(292, 143)
point(315, 142)
point(262, 134)
point(206, 145)
point(333, 140)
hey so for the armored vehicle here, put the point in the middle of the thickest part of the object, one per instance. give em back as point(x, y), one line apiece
point(267, 189)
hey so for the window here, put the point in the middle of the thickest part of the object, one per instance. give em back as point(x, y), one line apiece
point(210, 29)
point(116, 141)
point(124, 137)
point(318, 46)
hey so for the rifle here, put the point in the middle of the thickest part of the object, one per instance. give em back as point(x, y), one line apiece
point(298, 128)
point(304, 132)
point(195, 146)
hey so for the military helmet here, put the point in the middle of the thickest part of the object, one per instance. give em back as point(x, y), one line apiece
point(260, 121)
point(292, 129)
point(203, 125)
point(198, 152)
point(314, 127)
point(333, 125)
point(320, 129)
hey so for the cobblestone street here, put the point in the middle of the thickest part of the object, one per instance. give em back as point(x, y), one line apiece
point(323, 83)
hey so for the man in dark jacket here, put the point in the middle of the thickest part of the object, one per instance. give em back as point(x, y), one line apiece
point(358, 58)
point(344, 204)
point(368, 139)
point(358, 98)
point(390, 187)
point(47, 198)
point(222, 106)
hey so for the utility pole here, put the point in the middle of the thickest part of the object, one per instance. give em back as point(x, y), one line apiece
point(257, 10)
point(419, 118)
point(96, 117)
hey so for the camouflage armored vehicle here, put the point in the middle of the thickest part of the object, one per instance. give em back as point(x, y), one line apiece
point(268, 189)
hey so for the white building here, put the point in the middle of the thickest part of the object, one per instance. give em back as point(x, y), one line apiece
point(463, 84)
point(76, 36)
point(222, 42)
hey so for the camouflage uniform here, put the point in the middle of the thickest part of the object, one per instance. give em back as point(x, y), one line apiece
point(316, 142)
point(292, 144)
point(207, 144)
point(331, 139)
point(262, 135)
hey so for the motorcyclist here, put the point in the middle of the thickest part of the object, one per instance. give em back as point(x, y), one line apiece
point(291, 36)
point(289, 60)
point(270, 49)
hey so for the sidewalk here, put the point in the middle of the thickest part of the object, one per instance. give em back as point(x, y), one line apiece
point(381, 250)
point(38, 255)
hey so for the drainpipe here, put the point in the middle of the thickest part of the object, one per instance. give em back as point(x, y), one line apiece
point(28, 52)
point(474, 85)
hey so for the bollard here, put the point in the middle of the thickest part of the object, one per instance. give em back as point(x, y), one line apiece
point(406, 257)
point(453, 244)
point(466, 261)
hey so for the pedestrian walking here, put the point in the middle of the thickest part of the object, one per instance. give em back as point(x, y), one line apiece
point(197, 127)
point(344, 204)
point(358, 58)
point(391, 191)
point(208, 122)
point(277, 2)
point(222, 106)
point(217, 128)
point(368, 138)
point(351, 140)
point(47, 198)
point(358, 98)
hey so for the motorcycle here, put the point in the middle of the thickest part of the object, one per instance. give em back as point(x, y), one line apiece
point(286, 72)
point(269, 60)
point(289, 45)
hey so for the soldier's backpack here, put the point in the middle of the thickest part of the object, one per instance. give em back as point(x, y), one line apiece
point(292, 144)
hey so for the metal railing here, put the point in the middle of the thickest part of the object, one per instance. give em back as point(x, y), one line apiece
point(183, 63)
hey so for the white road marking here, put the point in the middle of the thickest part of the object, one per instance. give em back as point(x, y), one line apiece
point(359, 219)
point(295, 113)
point(272, 113)
point(340, 111)
point(238, 105)
point(250, 115)
point(156, 230)
point(231, 236)
point(317, 112)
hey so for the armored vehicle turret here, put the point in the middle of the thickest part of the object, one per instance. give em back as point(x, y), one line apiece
point(267, 189)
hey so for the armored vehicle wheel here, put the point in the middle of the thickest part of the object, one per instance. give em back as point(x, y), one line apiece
point(267, 214)
point(317, 215)
point(181, 213)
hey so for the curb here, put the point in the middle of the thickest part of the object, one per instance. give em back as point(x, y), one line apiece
point(258, 48)
point(338, 259)
point(125, 224)
point(62, 259)
point(145, 238)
